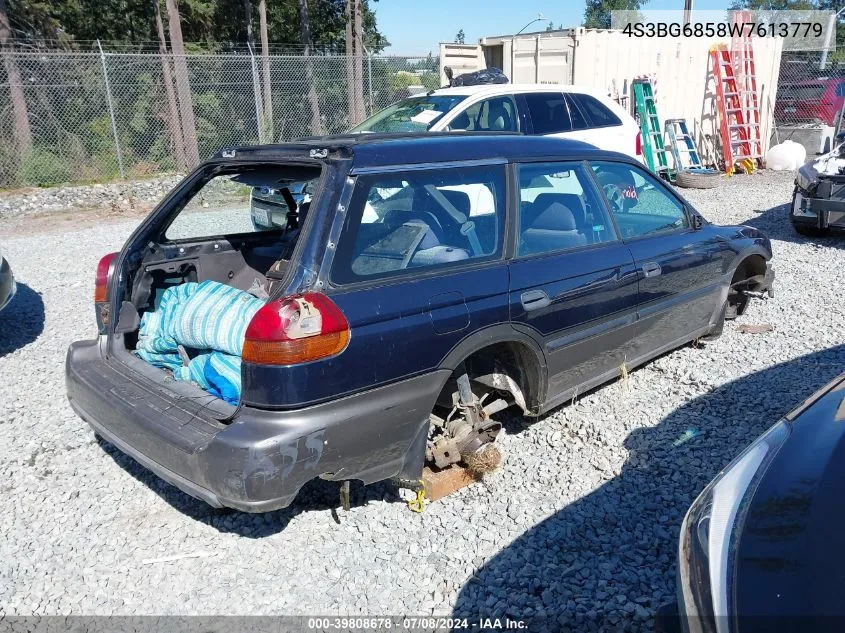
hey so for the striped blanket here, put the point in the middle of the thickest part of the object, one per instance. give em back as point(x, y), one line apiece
point(209, 319)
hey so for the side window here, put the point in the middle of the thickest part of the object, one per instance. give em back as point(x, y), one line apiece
point(579, 119)
point(401, 222)
point(641, 204)
point(494, 114)
point(549, 112)
point(598, 113)
point(559, 209)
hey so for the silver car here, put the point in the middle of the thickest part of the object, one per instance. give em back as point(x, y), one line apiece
point(7, 283)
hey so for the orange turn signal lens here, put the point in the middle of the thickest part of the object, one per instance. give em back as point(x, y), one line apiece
point(295, 351)
point(296, 329)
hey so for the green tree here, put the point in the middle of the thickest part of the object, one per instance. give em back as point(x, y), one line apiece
point(775, 5)
point(460, 37)
point(215, 24)
point(597, 12)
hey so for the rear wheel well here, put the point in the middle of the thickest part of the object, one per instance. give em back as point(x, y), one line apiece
point(509, 367)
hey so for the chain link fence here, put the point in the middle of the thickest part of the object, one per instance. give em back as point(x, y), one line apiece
point(810, 94)
point(82, 117)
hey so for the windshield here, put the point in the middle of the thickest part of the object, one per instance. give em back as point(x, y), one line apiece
point(416, 114)
point(801, 92)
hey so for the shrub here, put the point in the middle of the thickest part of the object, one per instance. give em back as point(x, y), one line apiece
point(40, 168)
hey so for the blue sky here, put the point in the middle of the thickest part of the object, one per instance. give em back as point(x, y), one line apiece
point(417, 27)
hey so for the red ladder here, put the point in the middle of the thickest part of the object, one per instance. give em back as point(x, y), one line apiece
point(742, 58)
point(736, 143)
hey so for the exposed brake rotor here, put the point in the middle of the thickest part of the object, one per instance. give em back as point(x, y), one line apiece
point(467, 431)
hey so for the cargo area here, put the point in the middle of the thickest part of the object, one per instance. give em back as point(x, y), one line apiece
point(210, 265)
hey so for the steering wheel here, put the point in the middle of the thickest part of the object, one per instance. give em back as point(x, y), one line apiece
point(614, 195)
point(614, 190)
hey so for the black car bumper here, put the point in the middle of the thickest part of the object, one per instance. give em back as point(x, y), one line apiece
point(817, 213)
point(259, 460)
point(7, 284)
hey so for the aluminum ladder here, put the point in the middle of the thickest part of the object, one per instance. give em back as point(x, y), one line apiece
point(653, 148)
point(680, 144)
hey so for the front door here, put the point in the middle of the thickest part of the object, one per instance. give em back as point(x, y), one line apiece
point(572, 281)
point(680, 268)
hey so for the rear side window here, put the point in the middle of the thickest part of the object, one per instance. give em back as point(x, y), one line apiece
point(403, 222)
point(598, 114)
point(253, 200)
point(579, 119)
point(549, 112)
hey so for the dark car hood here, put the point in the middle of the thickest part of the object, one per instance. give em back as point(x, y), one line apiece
point(791, 555)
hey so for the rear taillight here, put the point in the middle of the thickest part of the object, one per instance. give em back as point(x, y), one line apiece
point(639, 143)
point(101, 292)
point(296, 329)
point(101, 281)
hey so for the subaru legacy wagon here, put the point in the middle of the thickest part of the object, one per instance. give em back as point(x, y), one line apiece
point(431, 281)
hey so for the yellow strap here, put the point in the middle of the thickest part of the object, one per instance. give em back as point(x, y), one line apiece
point(418, 505)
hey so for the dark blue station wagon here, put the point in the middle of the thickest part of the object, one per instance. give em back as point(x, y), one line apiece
point(430, 282)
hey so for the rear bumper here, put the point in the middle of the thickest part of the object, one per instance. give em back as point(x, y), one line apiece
point(260, 460)
point(7, 284)
point(817, 213)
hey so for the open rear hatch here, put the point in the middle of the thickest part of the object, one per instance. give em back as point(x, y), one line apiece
point(193, 275)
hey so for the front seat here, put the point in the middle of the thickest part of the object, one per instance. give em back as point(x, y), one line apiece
point(460, 122)
point(498, 117)
point(572, 201)
point(553, 229)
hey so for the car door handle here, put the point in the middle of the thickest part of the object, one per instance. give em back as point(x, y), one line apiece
point(651, 269)
point(534, 300)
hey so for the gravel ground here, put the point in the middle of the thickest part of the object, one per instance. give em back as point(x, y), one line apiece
point(140, 195)
point(580, 524)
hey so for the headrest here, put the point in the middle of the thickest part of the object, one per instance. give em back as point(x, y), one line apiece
point(555, 217)
point(460, 122)
point(498, 116)
point(459, 199)
point(571, 200)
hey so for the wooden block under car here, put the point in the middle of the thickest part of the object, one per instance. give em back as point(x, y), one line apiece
point(444, 482)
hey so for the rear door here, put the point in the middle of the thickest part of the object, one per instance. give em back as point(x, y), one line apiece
point(549, 114)
point(680, 268)
point(419, 266)
point(572, 281)
point(595, 123)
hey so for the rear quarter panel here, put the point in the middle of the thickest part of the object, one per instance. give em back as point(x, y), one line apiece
point(398, 329)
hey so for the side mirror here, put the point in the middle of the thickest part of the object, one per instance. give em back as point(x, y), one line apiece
point(697, 221)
